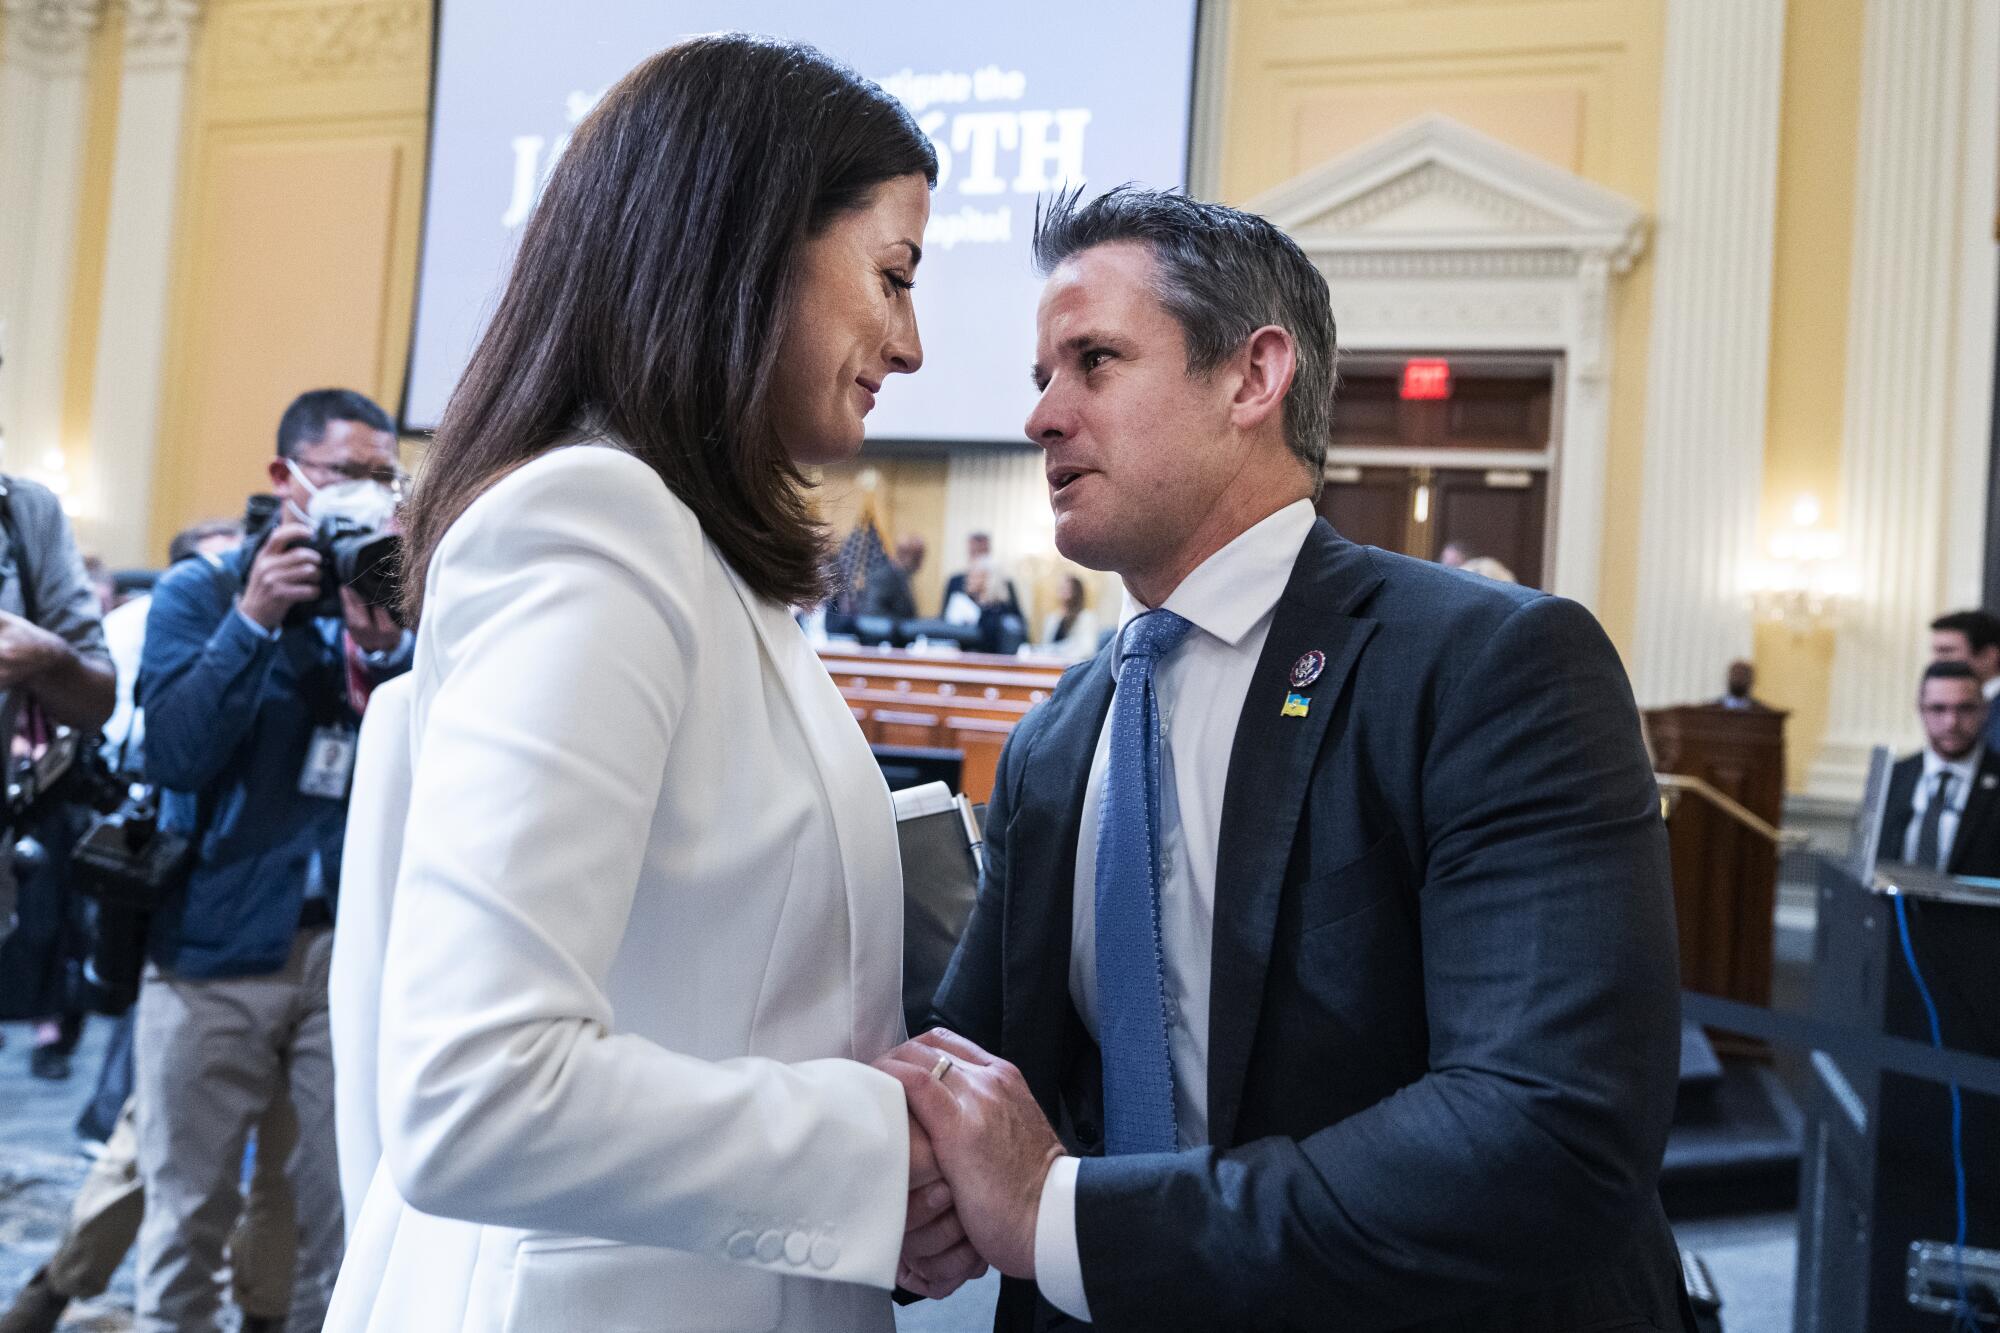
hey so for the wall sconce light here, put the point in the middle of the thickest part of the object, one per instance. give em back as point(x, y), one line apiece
point(1803, 584)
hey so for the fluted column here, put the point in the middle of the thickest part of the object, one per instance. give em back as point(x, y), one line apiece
point(43, 106)
point(1920, 313)
point(1000, 492)
point(1708, 364)
point(131, 347)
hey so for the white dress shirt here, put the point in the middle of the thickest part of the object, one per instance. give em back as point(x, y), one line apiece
point(1230, 599)
point(1964, 772)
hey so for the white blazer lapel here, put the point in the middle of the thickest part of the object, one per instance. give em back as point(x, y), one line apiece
point(864, 825)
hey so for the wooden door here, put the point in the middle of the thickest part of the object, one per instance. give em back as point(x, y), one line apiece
point(1497, 512)
point(1369, 505)
point(1414, 475)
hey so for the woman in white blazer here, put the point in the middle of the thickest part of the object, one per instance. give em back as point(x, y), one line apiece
point(645, 928)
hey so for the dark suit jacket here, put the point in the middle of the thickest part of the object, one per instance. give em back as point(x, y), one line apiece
point(1975, 849)
point(1444, 1018)
point(888, 594)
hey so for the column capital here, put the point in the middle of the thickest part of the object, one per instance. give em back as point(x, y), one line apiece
point(51, 35)
point(159, 32)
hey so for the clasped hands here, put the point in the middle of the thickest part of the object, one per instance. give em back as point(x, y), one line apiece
point(980, 1149)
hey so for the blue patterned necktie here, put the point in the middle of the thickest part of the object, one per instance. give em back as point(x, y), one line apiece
point(1131, 985)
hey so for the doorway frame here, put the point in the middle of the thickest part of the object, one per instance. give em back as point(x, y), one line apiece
point(1438, 236)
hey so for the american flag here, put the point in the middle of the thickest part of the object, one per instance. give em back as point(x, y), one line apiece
point(862, 555)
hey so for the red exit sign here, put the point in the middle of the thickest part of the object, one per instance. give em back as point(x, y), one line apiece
point(1423, 380)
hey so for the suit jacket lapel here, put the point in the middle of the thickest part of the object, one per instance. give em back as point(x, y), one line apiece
point(1041, 872)
point(1979, 807)
point(1270, 765)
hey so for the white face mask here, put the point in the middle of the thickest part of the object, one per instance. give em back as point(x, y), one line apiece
point(367, 503)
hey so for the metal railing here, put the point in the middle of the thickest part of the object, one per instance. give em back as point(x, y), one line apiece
point(1673, 786)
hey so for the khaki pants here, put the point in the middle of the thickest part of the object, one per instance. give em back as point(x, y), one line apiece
point(104, 1220)
point(212, 1054)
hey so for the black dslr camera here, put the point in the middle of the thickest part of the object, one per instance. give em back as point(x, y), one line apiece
point(351, 554)
point(128, 866)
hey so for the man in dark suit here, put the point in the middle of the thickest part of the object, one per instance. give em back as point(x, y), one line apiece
point(1973, 637)
point(888, 591)
point(1325, 946)
point(1941, 806)
point(1739, 687)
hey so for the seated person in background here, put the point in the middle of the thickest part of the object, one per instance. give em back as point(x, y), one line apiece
point(1002, 628)
point(1072, 631)
point(1941, 800)
point(1454, 555)
point(1973, 637)
point(1737, 687)
point(888, 591)
point(979, 555)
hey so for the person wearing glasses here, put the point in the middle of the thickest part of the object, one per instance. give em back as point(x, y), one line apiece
point(1943, 799)
point(253, 682)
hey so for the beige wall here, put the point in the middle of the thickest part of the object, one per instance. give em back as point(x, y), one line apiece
point(1575, 82)
point(296, 245)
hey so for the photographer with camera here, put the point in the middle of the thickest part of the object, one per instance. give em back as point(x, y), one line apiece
point(255, 672)
point(54, 672)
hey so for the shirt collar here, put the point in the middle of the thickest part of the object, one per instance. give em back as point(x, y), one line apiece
point(1962, 769)
point(1228, 593)
point(1991, 689)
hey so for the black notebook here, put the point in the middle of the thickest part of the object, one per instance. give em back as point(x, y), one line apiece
point(939, 836)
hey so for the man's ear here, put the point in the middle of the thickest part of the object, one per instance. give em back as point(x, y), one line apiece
point(1265, 367)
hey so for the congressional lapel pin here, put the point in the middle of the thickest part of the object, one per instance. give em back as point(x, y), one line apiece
point(1306, 670)
point(1296, 705)
point(1988, 782)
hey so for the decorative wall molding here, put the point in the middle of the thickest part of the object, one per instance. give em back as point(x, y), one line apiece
point(1433, 183)
point(321, 41)
point(51, 36)
point(1437, 236)
point(1709, 352)
point(1916, 391)
point(1334, 261)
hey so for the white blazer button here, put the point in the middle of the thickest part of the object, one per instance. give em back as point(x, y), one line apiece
point(797, 1246)
point(770, 1245)
point(742, 1245)
point(825, 1252)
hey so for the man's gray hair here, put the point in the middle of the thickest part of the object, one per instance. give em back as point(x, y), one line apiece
point(1223, 274)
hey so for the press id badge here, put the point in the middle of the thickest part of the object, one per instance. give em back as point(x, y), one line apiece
point(329, 763)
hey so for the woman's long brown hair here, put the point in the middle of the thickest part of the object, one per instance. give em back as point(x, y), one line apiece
point(649, 295)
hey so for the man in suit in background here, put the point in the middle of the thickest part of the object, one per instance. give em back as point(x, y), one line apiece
point(888, 591)
point(1973, 637)
point(1941, 803)
point(1326, 911)
point(1739, 686)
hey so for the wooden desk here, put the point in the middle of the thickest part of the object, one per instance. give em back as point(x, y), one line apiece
point(968, 702)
